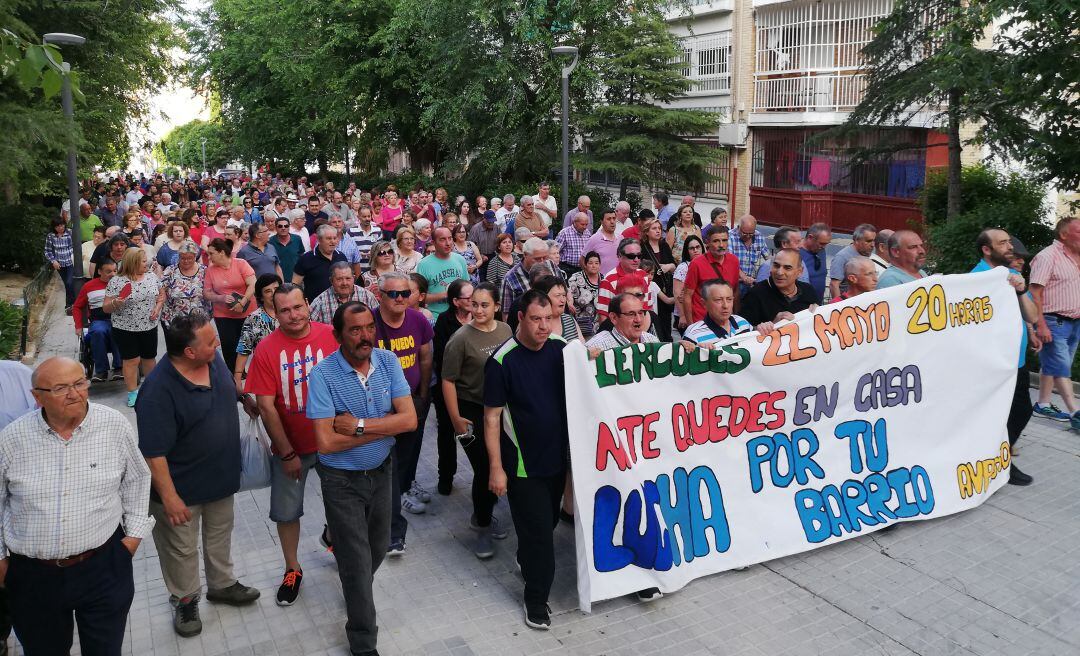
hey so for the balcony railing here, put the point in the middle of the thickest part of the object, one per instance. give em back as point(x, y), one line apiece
point(809, 92)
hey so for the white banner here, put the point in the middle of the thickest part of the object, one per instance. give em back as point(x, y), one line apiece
point(884, 408)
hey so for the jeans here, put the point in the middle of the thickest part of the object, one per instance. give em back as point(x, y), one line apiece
point(48, 601)
point(483, 499)
point(447, 444)
point(101, 344)
point(534, 507)
point(406, 458)
point(1056, 357)
point(358, 513)
point(67, 274)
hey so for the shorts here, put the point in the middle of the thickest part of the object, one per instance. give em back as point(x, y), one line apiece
point(1056, 357)
point(287, 494)
point(136, 344)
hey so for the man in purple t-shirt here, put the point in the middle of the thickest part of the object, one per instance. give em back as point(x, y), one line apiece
point(407, 334)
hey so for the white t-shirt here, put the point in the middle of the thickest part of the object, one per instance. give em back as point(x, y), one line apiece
point(504, 216)
point(621, 227)
point(550, 204)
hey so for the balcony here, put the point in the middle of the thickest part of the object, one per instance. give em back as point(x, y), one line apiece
point(809, 92)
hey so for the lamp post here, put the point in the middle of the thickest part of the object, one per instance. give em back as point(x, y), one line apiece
point(62, 39)
point(569, 51)
point(203, 141)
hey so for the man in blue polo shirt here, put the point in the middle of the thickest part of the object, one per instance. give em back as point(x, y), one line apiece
point(358, 400)
point(996, 248)
point(527, 441)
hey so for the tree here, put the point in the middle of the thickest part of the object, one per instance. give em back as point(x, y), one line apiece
point(219, 148)
point(629, 133)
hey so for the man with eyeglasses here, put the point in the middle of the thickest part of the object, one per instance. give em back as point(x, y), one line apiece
point(629, 252)
point(715, 262)
point(748, 246)
point(74, 493)
point(813, 257)
point(288, 247)
point(629, 321)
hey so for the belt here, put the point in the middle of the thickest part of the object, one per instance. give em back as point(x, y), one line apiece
point(62, 562)
point(1060, 317)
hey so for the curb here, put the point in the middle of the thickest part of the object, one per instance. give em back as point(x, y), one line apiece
point(1035, 383)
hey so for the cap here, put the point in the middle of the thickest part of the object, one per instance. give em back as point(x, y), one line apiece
point(1019, 250)
point(489, 216)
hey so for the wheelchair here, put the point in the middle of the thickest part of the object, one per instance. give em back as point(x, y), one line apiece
point(86, 358)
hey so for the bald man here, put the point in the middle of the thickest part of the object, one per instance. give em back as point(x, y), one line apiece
point(70, 558)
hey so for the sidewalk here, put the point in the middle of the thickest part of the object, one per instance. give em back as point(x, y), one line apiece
point(1001, 579)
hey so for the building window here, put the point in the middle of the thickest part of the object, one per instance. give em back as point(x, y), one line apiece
point(802, 160)
point(706, 61)
point(809, 54)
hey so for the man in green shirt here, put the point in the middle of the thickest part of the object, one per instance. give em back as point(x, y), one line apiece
point(440, 269)
point(87, 222)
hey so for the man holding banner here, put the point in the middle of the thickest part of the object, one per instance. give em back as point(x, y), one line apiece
point(528, 452)
point(781, 295)
point(719, 323)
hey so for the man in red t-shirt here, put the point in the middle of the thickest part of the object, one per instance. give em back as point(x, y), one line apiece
point(715, 263)
point(278, 378)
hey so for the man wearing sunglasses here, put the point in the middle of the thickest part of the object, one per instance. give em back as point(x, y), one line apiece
point(629, 253)
point(288, 247)
point(75, 552)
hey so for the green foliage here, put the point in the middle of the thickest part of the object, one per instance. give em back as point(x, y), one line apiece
point(10, 328)
point(125, 55)
point(25, 226)
point(219, 149)
point(1011, 202)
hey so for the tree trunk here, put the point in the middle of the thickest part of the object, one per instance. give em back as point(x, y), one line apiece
point(323, 168)
point(953, 207)
point(622, 189)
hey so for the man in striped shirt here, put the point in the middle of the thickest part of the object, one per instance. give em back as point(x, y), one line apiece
point(358, 400)
point(1055, 285)
point(571, 242)
point(719, 323)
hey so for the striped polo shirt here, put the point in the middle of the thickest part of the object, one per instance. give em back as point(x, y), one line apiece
point(705, 333)
point(334, 388)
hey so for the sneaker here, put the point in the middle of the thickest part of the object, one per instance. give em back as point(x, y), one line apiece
point(1074, 421)
point(116, 374)
point(419, 492)
point(537, 616)
point(497, 530)
point(132, 395)
point(99, 378)
point(485, 547)
point(396, 549)
point(324, 539)
point(290, 587)
point(1050, 411)
point(186, 620)
point(412, 505)
point(1017, 477)
point(236, 594)
point(649, 594)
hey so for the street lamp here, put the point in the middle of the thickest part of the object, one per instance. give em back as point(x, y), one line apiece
point(203, 141)
point(63, 39)
point(569, 51)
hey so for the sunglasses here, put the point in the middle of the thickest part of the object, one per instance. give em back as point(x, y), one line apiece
point(282, 225)
point(381, 253)
point(397, 293)
point(632, 256)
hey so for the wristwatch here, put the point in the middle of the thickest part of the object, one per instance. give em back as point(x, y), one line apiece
point(359, 427)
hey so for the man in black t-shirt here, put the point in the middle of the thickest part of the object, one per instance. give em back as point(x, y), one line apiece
point(529, 463)
point(779, 296)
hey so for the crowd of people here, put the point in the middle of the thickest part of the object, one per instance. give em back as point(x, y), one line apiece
point(339, 318)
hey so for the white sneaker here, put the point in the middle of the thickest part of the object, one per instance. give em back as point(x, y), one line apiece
point(419, 493)
point(412, 505)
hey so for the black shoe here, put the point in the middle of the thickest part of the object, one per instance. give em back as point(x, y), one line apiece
point(186, 620)
point(1017, 477)
point(566, 517)
point(396, 549)
point(649, 594)
point(445, 488)
point(290, 587)
point(236, 594)
point(373, 652)
point(538, 616)
point(324, 539)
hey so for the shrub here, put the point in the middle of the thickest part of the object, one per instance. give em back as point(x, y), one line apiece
point(990, 200)
point(22, 248)
point(10, 328)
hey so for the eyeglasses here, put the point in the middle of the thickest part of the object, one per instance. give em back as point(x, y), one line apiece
point(640, 314)
point(80, 385)
point(381, 253)
point(282, 225)
point(397, 293)
point(632, 256)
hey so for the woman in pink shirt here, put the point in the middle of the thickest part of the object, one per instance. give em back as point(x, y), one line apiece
point(390, 214)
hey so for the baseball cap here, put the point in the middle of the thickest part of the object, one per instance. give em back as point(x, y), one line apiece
point(1019, 250)
point(489, 216)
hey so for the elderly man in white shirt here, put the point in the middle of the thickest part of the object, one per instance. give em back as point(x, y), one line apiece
point(74, 498)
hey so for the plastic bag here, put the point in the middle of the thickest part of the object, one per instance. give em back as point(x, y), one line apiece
point(255, 457)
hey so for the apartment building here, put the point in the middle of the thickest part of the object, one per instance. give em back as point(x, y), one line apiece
point(781, 73)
